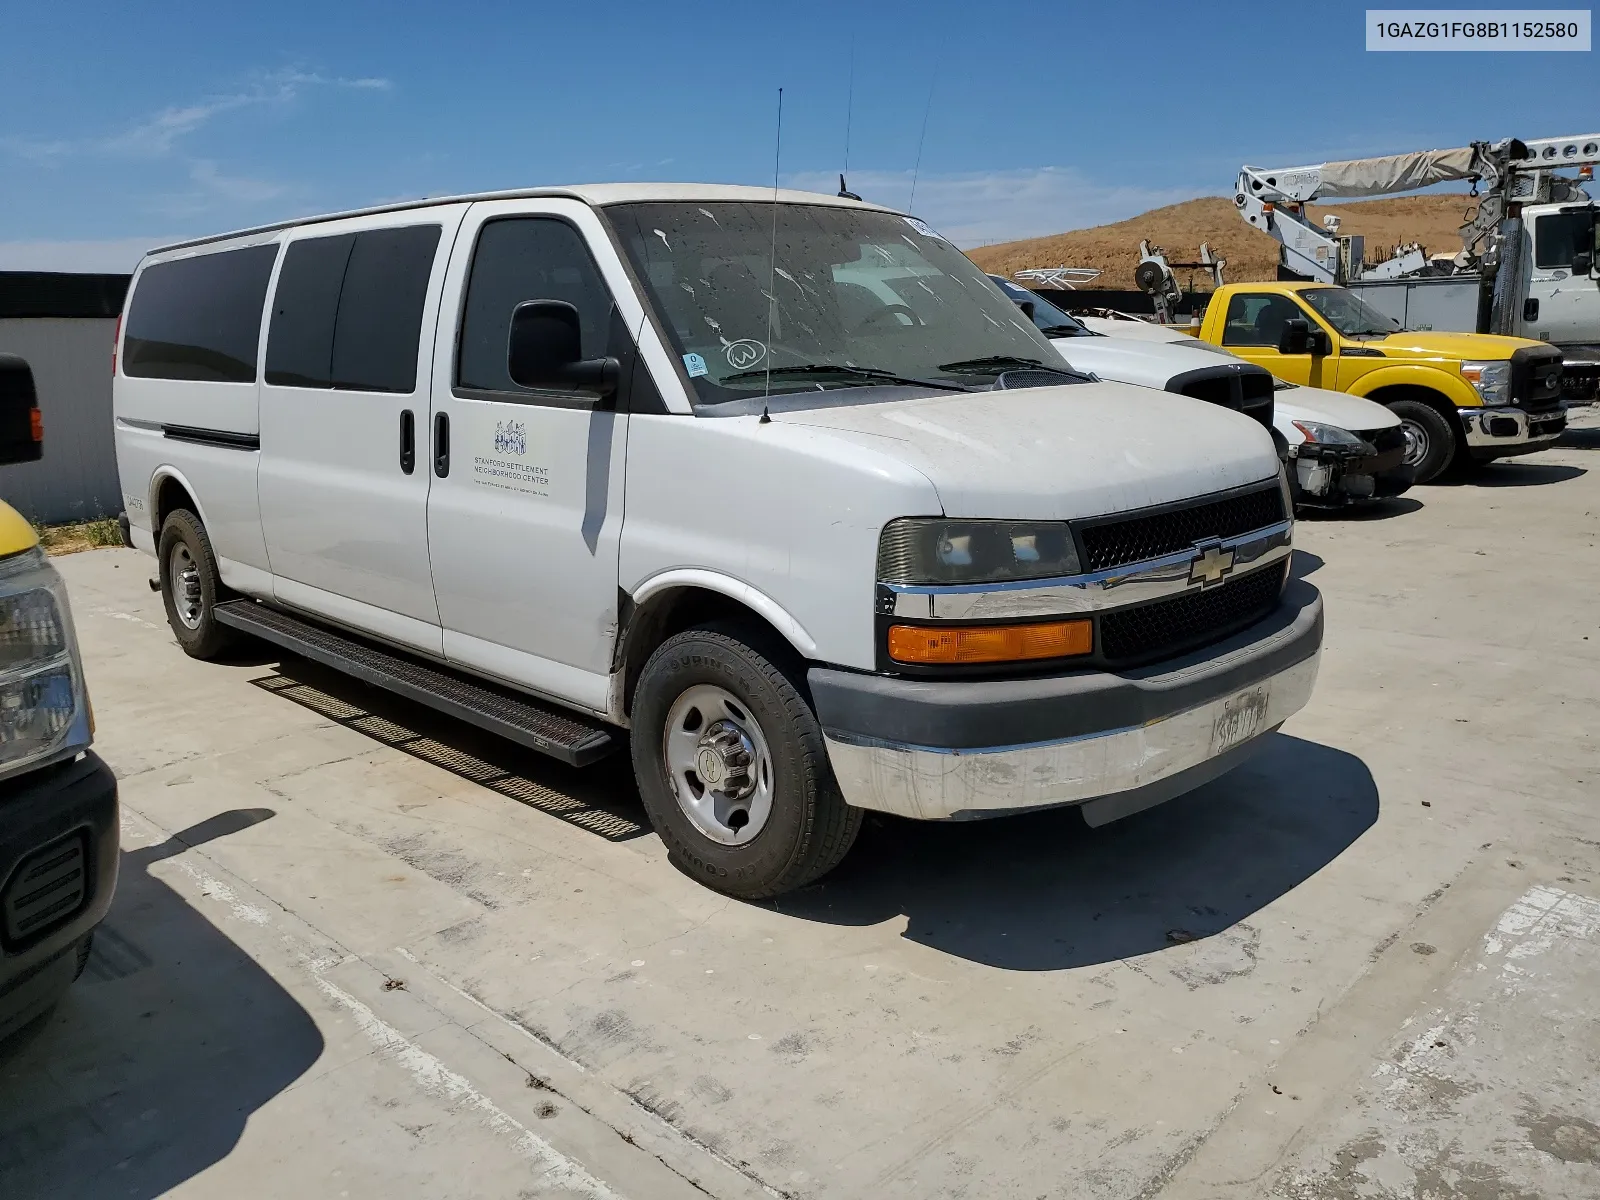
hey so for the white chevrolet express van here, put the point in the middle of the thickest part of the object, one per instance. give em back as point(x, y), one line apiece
point(675, 461)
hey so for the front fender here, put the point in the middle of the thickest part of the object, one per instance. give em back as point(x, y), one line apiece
point(735, 589)
point(1435, 379)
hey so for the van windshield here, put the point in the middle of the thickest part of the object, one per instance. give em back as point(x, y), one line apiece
point(857, 298)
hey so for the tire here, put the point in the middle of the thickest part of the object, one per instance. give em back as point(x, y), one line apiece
point(191, 599)
point(688, 703)
point(1432, 440)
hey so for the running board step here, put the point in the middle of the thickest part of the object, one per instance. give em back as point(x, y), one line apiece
point(570, 737)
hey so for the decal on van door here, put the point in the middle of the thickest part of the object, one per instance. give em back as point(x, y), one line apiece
point(507, 467)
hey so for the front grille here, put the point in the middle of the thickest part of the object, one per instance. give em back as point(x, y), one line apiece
point(1163, 628)
point(1244, 388)
point(1130, 539)
point(1536, 378)
point(49, 887)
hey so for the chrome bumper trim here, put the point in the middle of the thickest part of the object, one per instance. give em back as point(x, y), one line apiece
point(1476, 422)
point(1134, 583)
point(929, 783)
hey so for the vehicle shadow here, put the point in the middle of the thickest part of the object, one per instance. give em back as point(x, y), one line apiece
point(1045, 892)
point(600, 799)
point(1303, 563)
point(1586, 438)
point(1371, 510)
point(148, 1070)
point(1515, 474)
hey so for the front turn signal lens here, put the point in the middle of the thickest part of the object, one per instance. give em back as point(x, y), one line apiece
point(934, 646)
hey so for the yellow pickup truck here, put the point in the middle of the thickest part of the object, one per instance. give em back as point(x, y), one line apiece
point(58, 801)
point(1463, 397)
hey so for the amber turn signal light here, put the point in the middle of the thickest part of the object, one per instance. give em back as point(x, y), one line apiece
point(927, 645)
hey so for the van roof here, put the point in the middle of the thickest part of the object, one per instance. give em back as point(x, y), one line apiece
point(597, 194)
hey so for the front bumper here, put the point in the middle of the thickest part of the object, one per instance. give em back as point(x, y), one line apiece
point(58, 869)
point(1505, 431)
point(1331, 474)
point(1114, 742)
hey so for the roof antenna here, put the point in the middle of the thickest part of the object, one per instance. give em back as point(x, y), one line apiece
point(772, 262)
point(849, 111)
point(916, 170)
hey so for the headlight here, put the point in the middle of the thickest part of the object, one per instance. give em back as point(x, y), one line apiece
point(933, 550)
point(1492, 380)
point(42, 710)
point(1327, 435)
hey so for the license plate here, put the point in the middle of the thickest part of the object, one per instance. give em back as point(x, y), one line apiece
point(1241, 719)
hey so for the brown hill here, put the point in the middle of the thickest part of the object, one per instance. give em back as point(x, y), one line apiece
point(1251, 255)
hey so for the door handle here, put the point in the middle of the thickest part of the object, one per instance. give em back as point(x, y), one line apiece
point(441, 444)
point(408, 441)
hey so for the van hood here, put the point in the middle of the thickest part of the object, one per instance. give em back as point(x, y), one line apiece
point(1331, 408)
point(1136, 360)
point(1487, 346)
point(1055, 453)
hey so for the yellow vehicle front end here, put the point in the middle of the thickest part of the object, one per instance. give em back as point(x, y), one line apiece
point(1462, 396)
point(58, 800)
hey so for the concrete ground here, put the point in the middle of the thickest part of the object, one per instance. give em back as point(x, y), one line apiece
point(361, 951)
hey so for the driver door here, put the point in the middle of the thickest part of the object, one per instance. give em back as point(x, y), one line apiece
point(525, 509)
point(1566, 303)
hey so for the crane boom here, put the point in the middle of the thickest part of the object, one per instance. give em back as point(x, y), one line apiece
point(1503, 173)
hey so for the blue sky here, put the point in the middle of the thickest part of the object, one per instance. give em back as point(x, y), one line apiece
point(125, 124)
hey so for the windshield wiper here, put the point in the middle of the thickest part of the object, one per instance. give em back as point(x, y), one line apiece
point(841, 371)
point(995, 363)
point(1062, 330)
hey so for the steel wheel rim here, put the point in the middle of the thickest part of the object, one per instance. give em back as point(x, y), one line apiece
point(1417, 443)
point(184, 575)
point(718, 764)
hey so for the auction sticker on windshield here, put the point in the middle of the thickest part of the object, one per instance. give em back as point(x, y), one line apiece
point(924, 229)
point(1242, 717)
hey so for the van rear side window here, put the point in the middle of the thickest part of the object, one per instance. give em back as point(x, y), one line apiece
point(199, 318)
point(348, 310)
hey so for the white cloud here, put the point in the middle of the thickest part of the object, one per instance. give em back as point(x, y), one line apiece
point(974, 208)
point(235, 187)
point(111, 256)
point(158, 134)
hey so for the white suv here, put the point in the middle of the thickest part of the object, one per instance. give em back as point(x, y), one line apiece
point(677, 460)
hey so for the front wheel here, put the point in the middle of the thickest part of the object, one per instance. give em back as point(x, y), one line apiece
point(1431, 438)
point(732, 768)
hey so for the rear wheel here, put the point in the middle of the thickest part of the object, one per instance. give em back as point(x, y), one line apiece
point(731, 766)
point(191, 588)
point(1431, 439)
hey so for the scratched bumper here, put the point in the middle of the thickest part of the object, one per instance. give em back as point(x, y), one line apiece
point(1122, 741)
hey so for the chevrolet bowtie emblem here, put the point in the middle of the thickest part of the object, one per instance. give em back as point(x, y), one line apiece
point(1211, 565)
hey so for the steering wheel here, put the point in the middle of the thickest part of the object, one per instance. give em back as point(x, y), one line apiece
point(886, 311)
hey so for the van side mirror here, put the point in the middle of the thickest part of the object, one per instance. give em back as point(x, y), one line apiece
point(545, 350)
point(1582, 262)
point(21, 429)
point(1319, 343)
point(1027, 308)
point(1296, 336)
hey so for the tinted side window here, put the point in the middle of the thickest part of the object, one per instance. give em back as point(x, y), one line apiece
point(1259, 320)
point(300, 339)
point(376, 334)
point(199, 318)
point(1560, 236)
point(526, 258)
